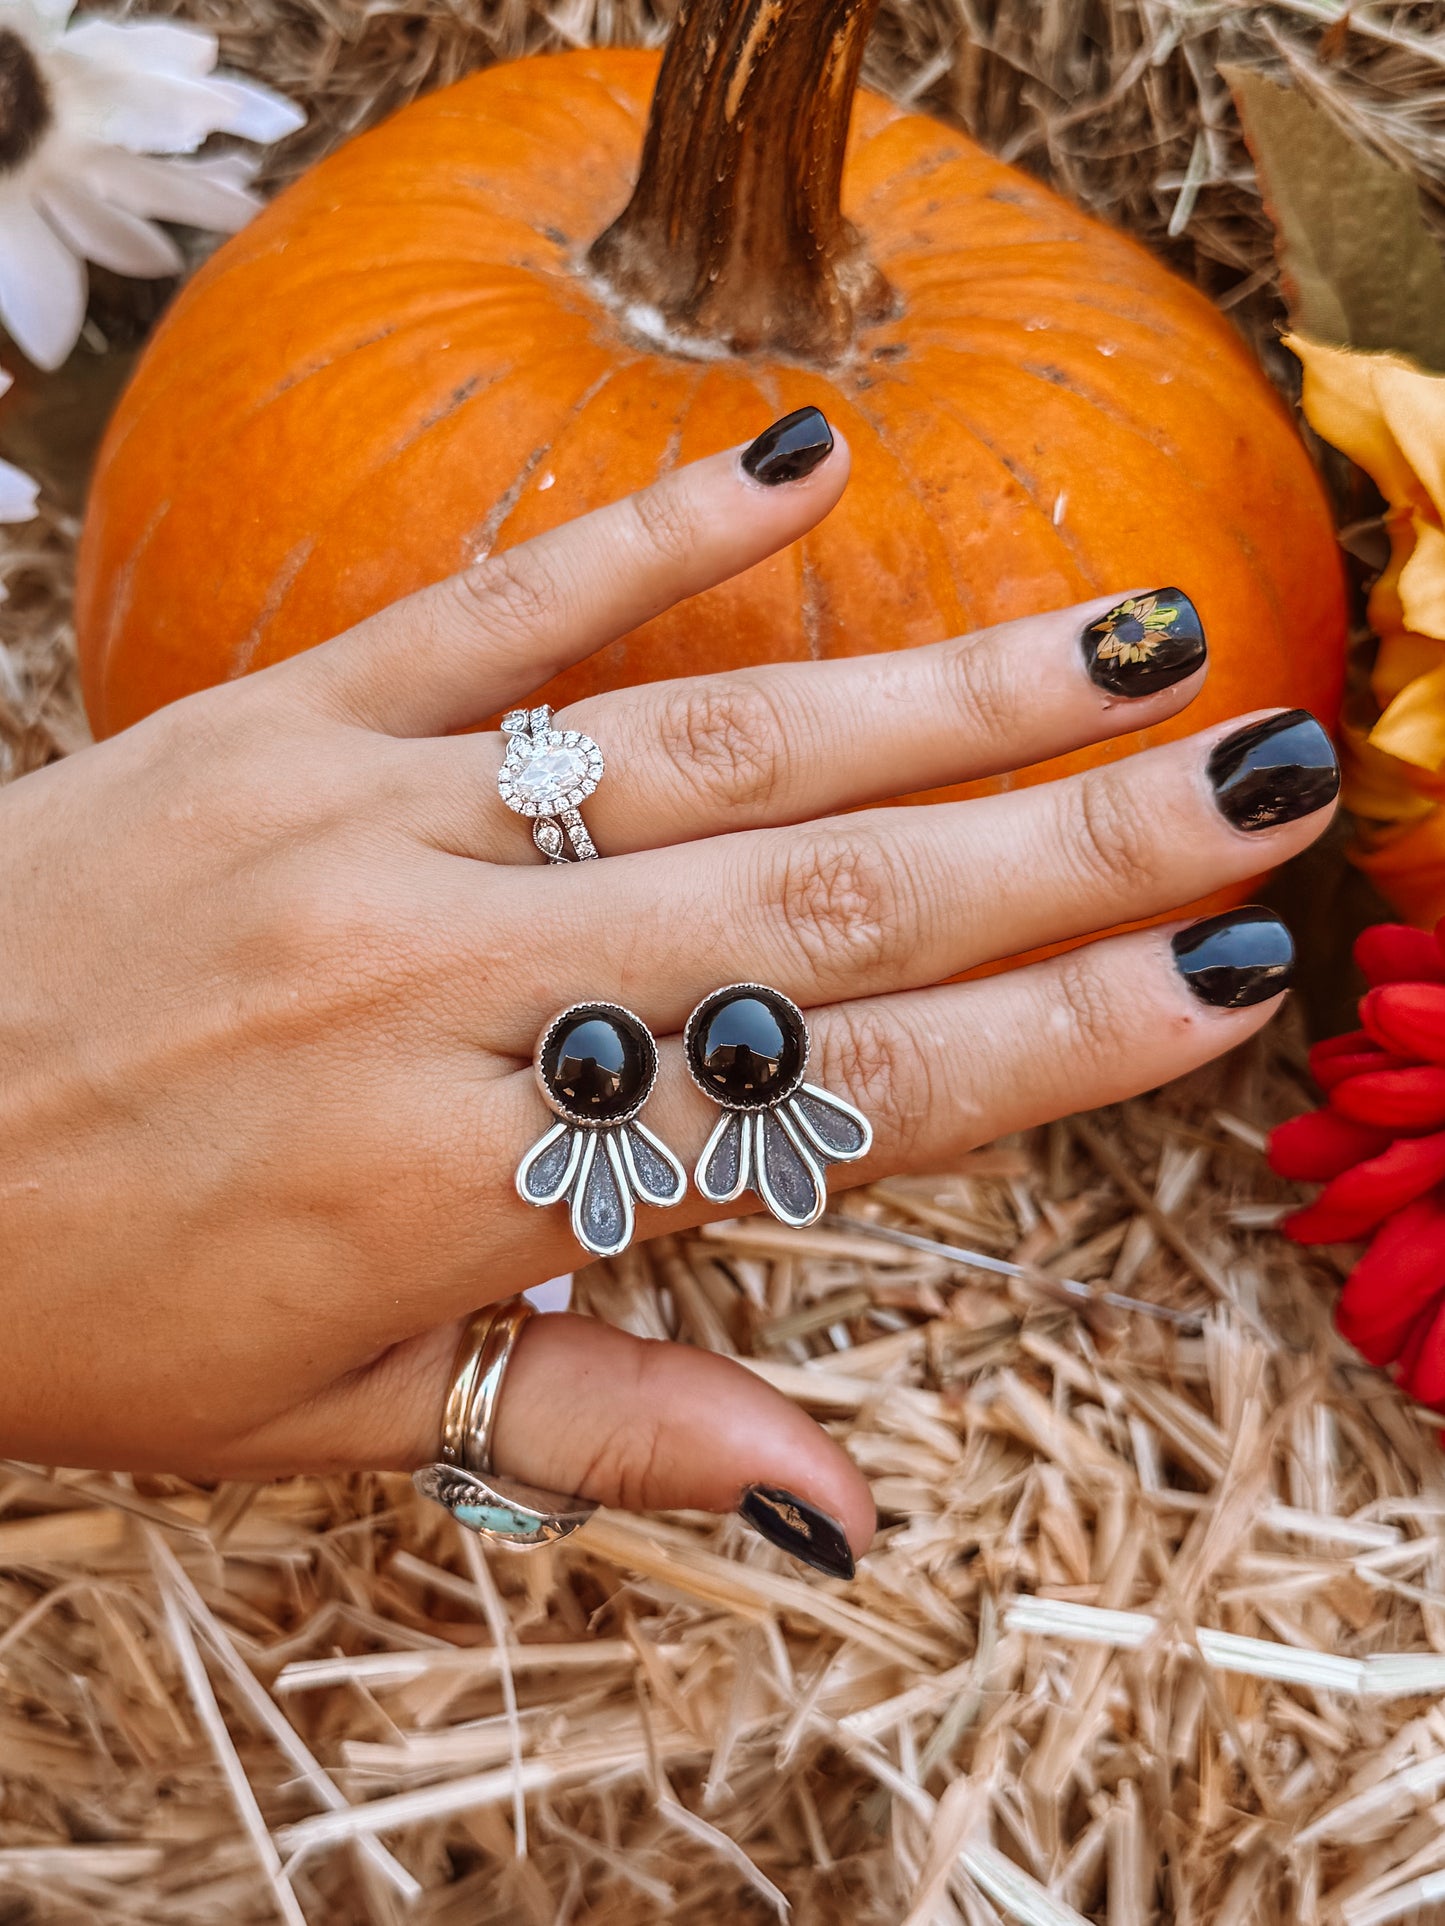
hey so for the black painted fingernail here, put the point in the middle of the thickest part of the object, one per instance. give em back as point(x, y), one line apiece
point(800, 1528)
point(1274, 771)
point(1147, 643)
point(1244, 956)
point(790, 449)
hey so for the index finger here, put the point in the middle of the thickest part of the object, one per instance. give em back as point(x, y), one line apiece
point(485, 639)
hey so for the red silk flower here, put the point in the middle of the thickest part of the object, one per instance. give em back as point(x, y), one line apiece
point(1378, 1145)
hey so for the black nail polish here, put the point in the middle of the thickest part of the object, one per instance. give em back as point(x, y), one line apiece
point(1274, 771)
point(1244, 956)
point(790, 449)
point(799, 1528)
point(1147, 643)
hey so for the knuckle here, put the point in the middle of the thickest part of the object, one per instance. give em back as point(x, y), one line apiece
point(1090, 1008)
point(505, 594)
point(724, 734)
point(236, 776)
point(1113, 838)
point(846, 902)
point(982, 685)
point(665, 524)
point(330, 942)
point(877, 1064)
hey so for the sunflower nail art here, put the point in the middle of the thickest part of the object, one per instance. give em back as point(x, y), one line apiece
point(1145, 643)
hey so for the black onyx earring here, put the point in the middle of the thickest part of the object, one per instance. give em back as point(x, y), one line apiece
point(747, 1048)
point(596, 1064)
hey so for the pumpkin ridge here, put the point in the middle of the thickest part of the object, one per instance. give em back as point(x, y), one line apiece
point(851, 417)
point(636, 111)
point(291, 569)
point(918, 171)
point(1165, 450)
point(1239, 532)
point(978, 286)
point(488, 100)
point(496, 522)
point(986, 338)
point(764, 384)
point(1090, 398)
point(1065, 540)
point(945, 333)
point(672, 447)
point(1168, 456)
point(938, 258)
point(961, 595)
point(501, 81)
point(237, 425)
point(482, 540)
point(244, 654)
point(507, 231)
point(1159, 342)
point(535, 288)
point(123, 583)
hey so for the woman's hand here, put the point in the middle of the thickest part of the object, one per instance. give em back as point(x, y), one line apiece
point(275, 960)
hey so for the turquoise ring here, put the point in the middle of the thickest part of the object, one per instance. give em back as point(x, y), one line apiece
point(502, 1510)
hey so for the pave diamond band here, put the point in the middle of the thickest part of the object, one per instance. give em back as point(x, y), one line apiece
point(546, 775)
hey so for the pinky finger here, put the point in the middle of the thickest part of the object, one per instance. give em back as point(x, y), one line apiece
point(941, 1071)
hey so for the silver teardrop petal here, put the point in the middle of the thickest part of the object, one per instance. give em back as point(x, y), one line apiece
point(829, 1126)
point(545, 1174)
point(654, 1173)
point(787, 1176)
point(602, 1215)
point(724, 1167)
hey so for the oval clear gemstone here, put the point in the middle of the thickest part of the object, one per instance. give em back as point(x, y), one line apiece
point(547, 774)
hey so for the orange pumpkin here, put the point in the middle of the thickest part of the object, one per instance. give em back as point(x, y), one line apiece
point(421, 353)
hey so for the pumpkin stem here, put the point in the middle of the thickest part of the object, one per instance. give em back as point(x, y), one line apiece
point(735, 235)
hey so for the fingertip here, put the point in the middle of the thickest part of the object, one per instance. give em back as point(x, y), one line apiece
point(1144, 645)
point(657, 1426)
point(792, 451)
point(1239, 960)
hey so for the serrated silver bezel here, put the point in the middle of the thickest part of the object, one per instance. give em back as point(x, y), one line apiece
point(555, 1104)
point(710, 1001)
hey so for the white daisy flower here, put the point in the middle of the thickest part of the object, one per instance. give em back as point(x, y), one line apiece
point(17, 492)
point(85, 113)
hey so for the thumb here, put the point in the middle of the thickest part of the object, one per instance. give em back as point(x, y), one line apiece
point(627, 1421)
point(654, 1426)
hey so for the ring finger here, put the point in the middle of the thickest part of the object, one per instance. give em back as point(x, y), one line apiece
point(790, 741)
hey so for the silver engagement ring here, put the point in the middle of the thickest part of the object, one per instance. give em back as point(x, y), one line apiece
point(547, 774)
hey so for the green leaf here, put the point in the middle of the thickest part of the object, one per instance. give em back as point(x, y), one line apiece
point(1359, 266)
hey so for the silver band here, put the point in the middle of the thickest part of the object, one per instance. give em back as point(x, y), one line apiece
point(504, 1512)
point(501, 1510)
point(546, 775)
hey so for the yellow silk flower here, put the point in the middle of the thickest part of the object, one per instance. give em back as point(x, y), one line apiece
point(1388, 416)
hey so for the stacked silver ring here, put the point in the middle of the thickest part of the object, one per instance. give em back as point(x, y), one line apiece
point(546, 775)
point(501, 1510)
